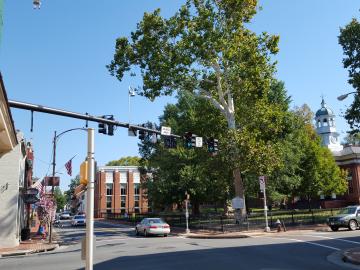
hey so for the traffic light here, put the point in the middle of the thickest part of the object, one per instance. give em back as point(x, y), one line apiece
point(188, 140)
point(110, 130)
point(216, 145)
point(212, 145)
point(170, 142)
point(84, 173)
point(193, 140)
point(102, 127)
point(142, 135)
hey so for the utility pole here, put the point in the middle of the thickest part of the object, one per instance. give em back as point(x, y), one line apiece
point(187, 212)
point(52, 184)
point(90, 202)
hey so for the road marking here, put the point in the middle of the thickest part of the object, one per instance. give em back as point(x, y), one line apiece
point(338, 239)
point(301, 241)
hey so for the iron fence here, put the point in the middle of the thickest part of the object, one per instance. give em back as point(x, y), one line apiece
point(227, 223)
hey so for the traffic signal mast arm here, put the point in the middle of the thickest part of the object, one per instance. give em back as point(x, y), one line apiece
point(190, 138)
point(87, 117)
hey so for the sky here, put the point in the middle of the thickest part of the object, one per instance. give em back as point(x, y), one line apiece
point(56, 57)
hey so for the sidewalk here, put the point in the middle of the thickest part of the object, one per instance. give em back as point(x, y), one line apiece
point(34, 245)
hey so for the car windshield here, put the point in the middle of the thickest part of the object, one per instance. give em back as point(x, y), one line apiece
point(156, 221)
point(347, 211)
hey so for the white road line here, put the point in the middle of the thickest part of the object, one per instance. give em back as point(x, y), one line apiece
point(338, 239)
point(301, 241)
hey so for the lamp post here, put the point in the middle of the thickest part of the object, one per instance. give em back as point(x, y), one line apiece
point(56, 137)
point(344, 96)
point(131, 93)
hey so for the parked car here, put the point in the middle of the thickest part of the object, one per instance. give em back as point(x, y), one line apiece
point(78, 220)
point(65, 215)
point(348, 217)
point(154, 226)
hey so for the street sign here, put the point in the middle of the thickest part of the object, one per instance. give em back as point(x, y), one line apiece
point(237, 203)
point(262, 183)
point(199, 142)
point(165, 131)
point(52, 181)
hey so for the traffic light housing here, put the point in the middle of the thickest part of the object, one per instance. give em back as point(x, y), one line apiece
point(170, 142)
point(142, 135)
point(193, 140)
point(212, 145)
point(102, 127)
point(188, 140)
point(110, 130)
point(84, 173)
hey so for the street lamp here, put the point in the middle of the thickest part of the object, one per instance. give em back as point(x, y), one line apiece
point(56, 137)
point(344, 96)
point(131, 93)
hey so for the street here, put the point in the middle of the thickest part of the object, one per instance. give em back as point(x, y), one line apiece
point(118, 248)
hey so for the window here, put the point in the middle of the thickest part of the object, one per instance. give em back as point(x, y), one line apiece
point(109, 189)
point(122, 202)
point(137, 198)
point(123, 190)
point(136, 189)
point(108, 201)
point(350, 182)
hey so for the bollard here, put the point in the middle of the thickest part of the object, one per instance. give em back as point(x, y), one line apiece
point(278, 225)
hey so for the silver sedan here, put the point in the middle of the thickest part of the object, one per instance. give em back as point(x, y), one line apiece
point(155, 226)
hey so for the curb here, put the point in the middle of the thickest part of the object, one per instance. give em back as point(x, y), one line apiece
point(27, 252)
point(348, 258)
point(204, 236)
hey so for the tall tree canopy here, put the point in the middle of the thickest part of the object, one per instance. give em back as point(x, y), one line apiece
point(204, 49)
point(349, 39)
point(124, 161)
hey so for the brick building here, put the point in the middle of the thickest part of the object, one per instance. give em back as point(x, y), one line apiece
point(118, 191)
point(347, 157)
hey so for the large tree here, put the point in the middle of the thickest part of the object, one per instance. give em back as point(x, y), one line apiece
point(124, 161)
point(204, 49)
point(178, 170)
point(349, 39)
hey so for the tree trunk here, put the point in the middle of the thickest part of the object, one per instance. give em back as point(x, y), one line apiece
point(195, 208)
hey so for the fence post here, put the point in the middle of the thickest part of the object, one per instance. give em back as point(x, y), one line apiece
point(292, 217)
point(312, 216)
point(222, 224)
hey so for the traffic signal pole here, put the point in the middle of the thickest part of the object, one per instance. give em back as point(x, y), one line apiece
point(90, 202)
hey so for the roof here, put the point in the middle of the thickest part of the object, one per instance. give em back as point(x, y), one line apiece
point(324, 110)
point(8, 138)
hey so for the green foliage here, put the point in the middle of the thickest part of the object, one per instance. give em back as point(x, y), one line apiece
point(60, 198)
point(125, 161)
point(349, 39)
point(176, 171)
point(73, 184)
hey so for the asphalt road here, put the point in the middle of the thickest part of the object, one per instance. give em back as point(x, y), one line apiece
point(118, 248)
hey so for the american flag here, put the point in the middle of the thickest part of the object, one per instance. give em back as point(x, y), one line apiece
point(68, 167)
point(39, 186)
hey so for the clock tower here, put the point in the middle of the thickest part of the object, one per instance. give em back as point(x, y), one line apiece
point(325, 127)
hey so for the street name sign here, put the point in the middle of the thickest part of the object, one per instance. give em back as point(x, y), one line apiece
point(165, 131)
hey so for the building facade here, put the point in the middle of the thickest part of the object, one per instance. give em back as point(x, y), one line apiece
point(347, 157)
point(118, 191)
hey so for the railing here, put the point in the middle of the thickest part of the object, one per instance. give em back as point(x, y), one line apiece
point(223, 223)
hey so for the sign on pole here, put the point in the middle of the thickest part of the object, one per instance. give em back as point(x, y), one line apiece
point(199, 142)
point(165, 131)
point(262, 183)
point(237, 203)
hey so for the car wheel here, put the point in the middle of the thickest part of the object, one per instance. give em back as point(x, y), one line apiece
point(334, 228)
point(145, 233)
point(352, 225)
point(165, 235)
point(136, 232)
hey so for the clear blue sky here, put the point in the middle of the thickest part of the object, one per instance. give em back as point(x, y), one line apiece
point(56, 56)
